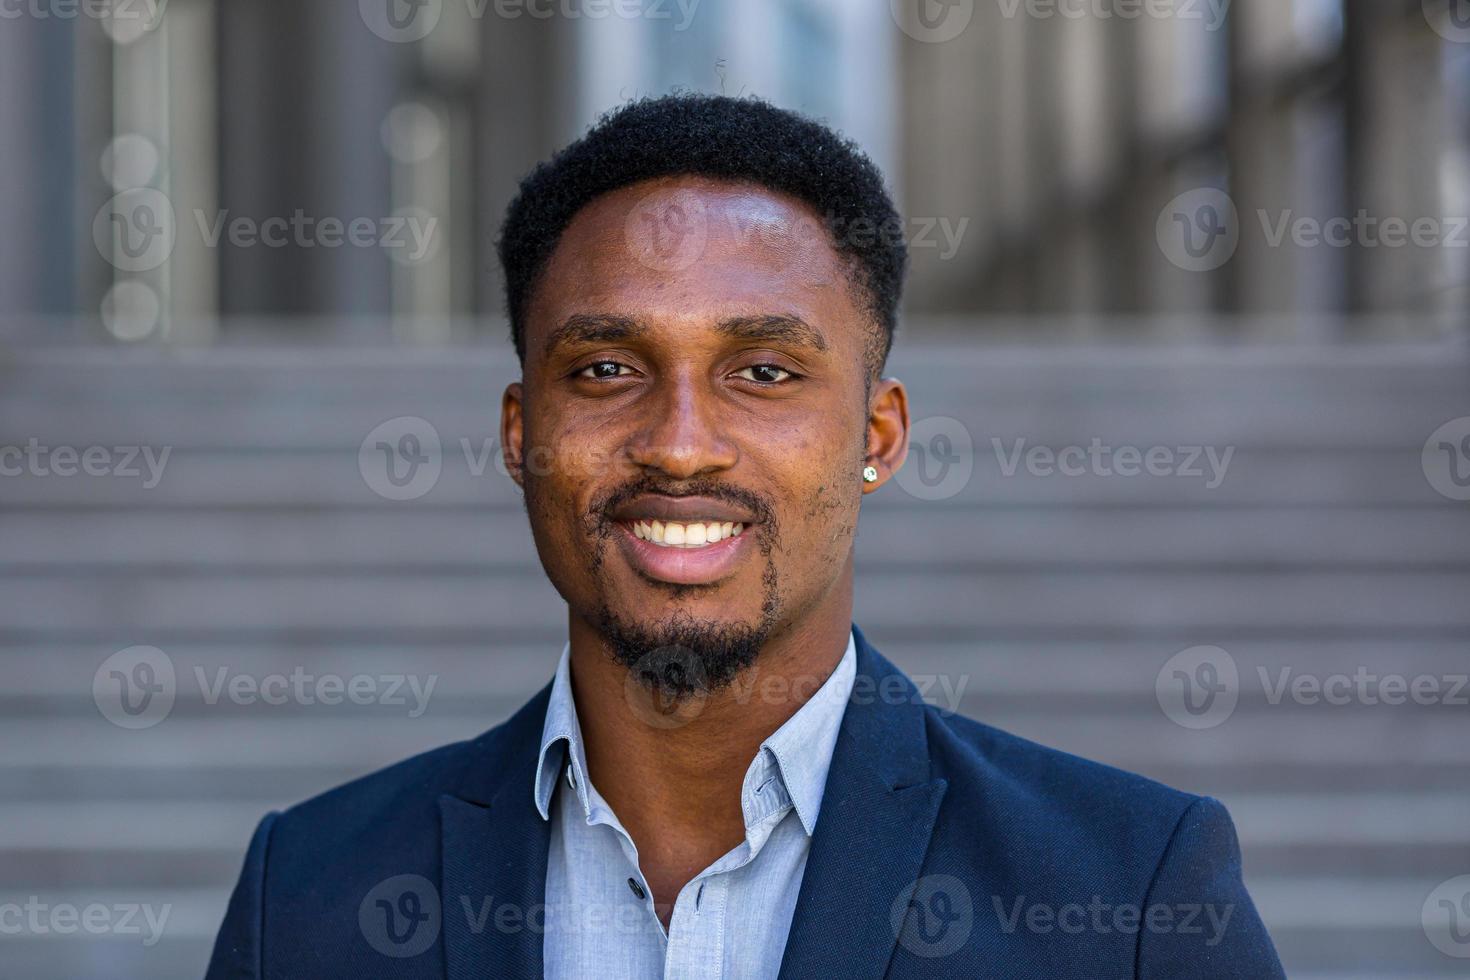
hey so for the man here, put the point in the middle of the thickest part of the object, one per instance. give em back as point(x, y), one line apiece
point(724, 778)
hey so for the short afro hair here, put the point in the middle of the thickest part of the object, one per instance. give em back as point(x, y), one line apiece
point(736, 139)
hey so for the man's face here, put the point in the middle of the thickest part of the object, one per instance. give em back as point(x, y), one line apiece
point(693, 421)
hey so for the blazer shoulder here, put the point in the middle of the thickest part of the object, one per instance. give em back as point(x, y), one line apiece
point(1066, 789)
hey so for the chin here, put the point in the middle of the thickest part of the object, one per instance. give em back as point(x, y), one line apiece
point(684, 654)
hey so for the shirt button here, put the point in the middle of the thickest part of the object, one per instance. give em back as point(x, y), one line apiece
point(571, 778)
point(636, 888)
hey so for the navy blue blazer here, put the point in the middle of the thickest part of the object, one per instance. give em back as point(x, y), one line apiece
point(944, 848)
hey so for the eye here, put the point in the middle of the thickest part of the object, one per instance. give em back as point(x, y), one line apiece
point(764, 373)
point(599, 370)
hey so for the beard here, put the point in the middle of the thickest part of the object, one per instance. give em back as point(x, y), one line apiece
point(683, 657)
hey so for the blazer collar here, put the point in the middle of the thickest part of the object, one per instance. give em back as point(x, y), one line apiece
point(493, 862)
point(880, 799)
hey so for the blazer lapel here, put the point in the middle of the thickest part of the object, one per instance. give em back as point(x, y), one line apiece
point(493, 875)
point(877, 815)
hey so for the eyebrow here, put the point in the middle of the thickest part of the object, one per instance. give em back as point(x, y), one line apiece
point(592, 328)
point(791, 330)
point(601, 328)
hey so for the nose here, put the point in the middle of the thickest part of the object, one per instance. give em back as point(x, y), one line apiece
point(681, 434)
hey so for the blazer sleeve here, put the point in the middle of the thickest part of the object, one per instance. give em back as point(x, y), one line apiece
point(1204, 925)
point(238, 947)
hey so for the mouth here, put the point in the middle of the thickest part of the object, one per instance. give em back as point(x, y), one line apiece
point(684, 540)
point(684, 552)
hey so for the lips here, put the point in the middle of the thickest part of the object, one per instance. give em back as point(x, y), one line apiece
point(683, 540)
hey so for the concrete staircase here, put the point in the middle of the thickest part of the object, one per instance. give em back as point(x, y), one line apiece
point(1048, 604)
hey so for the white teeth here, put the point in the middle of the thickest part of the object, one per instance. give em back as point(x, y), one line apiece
point(694, 534)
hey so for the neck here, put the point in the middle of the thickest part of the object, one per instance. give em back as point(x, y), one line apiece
point(674, 780)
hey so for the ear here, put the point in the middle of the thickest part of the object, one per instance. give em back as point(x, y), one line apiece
point(512, 432)
point(888, 430)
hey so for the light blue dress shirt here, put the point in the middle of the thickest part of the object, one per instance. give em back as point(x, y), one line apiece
point(731, 920)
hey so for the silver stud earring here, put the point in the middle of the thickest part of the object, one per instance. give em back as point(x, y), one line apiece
point(870, 474)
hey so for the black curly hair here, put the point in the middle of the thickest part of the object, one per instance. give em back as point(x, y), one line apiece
point(735, 139)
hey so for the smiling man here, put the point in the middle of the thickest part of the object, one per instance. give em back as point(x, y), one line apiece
point(724, 778)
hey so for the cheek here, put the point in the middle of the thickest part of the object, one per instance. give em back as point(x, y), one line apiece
point(819, 494)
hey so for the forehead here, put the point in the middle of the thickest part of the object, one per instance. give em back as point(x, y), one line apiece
point(691, 250)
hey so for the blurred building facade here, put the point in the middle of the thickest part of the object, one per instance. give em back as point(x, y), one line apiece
point(1031, 148)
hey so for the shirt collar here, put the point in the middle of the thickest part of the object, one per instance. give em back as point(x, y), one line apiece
point(799, 752)
point(560, 731)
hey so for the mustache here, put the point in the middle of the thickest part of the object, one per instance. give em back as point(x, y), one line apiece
point(649, 483)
